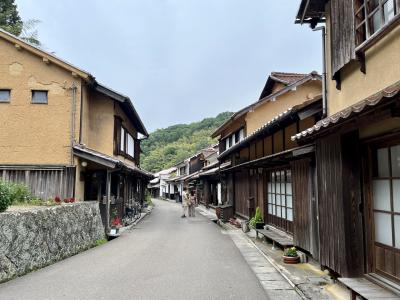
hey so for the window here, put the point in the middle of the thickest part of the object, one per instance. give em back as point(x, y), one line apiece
point(386, 196)
point(280, 199)
point(122, 144)
point(241, 134)
point(130, 146)
point(39, 97)
point(386, 208)
point(124, 141)
point(182, 171)
point(5, 95)
point(372, 15)
point(228, 143)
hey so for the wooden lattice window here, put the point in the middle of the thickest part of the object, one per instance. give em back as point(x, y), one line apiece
point(372, 15)
point(280, 199)
point(386, 211)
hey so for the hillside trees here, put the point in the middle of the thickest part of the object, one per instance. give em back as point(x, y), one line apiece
point(166, 147)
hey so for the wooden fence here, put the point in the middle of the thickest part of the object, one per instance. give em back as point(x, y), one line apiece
point(44, 183)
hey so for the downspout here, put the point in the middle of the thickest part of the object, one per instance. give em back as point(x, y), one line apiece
point(73, 115)
point(324, 91)
point(81, 116)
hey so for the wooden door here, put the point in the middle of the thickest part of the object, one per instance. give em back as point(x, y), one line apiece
point(384, 210)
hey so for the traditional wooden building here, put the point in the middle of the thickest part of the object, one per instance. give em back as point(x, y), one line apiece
point(358, 140)
point(269, 170)
point(64, 134)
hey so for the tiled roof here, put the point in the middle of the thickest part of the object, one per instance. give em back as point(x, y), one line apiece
point(355, 109)
point(287, 78)
point(112, 160)
point(267, 96)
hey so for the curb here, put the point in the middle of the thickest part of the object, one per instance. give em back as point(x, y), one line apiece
point(272, 262)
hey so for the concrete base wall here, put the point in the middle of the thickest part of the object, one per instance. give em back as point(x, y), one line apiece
point(32, 239)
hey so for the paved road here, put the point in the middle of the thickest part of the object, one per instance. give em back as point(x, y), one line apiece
point(164, 257)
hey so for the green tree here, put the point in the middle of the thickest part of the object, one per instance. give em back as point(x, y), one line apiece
point(9, 17)
point(166, 147)
point(11, 22)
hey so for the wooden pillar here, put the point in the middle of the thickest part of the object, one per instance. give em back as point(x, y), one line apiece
point(108, 193)
point(206, 192)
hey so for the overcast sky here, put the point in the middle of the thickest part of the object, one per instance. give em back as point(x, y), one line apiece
point(178, 60)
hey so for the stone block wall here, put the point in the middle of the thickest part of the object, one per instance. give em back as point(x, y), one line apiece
point(35, 238)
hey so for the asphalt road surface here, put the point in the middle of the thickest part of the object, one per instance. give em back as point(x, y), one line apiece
point(163, 257)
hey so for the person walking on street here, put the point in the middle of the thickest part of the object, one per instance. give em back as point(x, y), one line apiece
point(192, 204)
point(185, 202)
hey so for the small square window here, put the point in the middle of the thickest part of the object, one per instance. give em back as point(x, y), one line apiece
point(5, 95)
point(39, 96)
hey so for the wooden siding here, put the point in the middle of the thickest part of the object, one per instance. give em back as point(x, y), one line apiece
point(278, 141)
point(340, 220)
point(242, 193)
point(342, 33)
point(352, 201)
point(43, 183)
point(253, 151)
point(268, 145)
point(306, 123)
point(305, 231)
point(331, 217)
point(289, 132)
point(259, 148)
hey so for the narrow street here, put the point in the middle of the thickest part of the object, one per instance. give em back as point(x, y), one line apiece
point(164, 257)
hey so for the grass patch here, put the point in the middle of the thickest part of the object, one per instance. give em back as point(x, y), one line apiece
point(101, 242)
point(35, 202)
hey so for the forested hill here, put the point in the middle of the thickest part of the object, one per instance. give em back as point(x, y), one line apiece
point(166, 147)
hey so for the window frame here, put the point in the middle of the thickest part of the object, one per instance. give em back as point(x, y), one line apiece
point(41, 91)
point(127, 145)
point(374, 175)
point(123, 151)
point(362, 25)
point(122, 138)
point(9, 95)
point(272, 216)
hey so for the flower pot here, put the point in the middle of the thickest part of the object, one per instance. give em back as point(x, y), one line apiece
point(260, 225)
point(291, 259)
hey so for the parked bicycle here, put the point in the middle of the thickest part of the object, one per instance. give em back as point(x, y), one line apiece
point(132, 213)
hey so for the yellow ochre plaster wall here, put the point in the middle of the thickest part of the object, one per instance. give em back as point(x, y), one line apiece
point(268, 110)
point(101, 123)
point(35, 133)
point(382, 70)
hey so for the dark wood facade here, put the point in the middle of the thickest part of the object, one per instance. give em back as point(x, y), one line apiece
point(272, 172)
point(357, 188)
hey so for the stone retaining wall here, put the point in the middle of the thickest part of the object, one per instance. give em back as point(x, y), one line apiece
point(32, 239)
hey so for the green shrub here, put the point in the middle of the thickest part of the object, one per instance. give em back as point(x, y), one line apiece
point(292, 252)
point(20, 193)
point(5, 196)
point(148, 199)
point(257, 218)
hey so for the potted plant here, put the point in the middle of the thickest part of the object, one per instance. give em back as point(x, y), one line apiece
point(57, 200)
point(257, 221)
point(116, 222)
point(290, 256)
